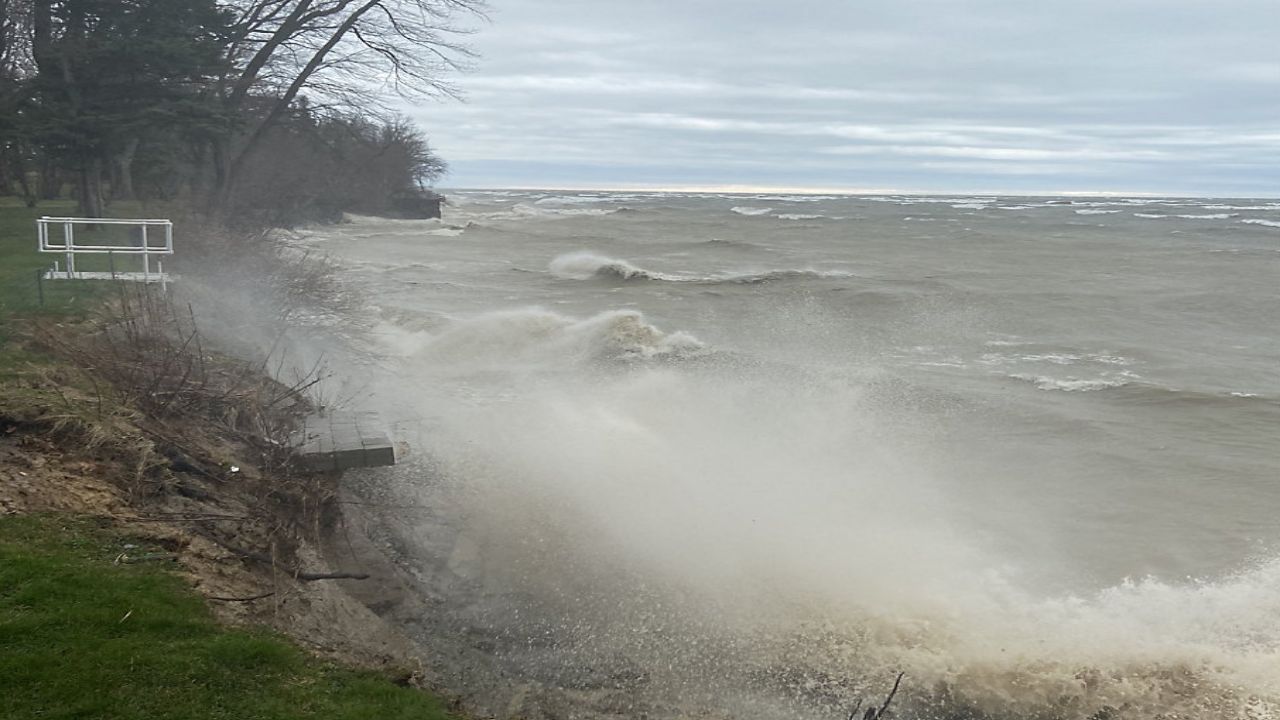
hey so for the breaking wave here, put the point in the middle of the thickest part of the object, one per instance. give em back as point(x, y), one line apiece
point(751, 211)
point(588, 265)
point(534, 337)
point(803, 216)
point(690, 536)
point(1072, 384)
point(1265, 223)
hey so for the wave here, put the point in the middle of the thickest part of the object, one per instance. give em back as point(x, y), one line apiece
point(775, 275)
point(695, 531)
point(1266, 223)
point(751, 211)
point(796, 198)
point(586, 265)
point(1134, 389)
point(803, 216)
point(533, 211)
point(1212, 216)
point(582, 199)
point(535, 337)
point(1150, 216)
point(1045, 382)
point(1096, 211)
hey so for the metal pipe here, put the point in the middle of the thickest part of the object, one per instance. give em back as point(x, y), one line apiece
point(68, 241)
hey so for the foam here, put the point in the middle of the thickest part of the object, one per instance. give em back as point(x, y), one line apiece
point(751, 211)
point(1072, 384)
point(1265, 223)
point(536, 337)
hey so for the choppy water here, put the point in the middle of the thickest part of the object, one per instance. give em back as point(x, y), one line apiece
point(749, 455)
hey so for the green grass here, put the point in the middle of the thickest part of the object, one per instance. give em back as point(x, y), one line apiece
point(20, 261)
point(82, 637)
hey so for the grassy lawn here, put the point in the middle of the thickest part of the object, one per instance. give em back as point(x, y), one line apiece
point(20, 296)
point(19, 262)
point(83, 637)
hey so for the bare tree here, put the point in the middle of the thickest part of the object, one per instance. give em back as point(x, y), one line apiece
point(345, 52)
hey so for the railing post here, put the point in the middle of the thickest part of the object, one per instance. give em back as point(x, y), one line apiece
point(146, 259)
point(68, 239)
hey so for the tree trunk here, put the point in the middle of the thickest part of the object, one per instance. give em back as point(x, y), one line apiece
point(90, 191)
point(7, 176)
point(122, 172)
point(220, 194)
point(50, 180)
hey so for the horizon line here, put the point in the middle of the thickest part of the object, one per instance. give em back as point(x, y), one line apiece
point(810, 190)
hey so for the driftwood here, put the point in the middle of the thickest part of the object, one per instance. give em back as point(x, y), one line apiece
point(251, 598)
point(874, 713)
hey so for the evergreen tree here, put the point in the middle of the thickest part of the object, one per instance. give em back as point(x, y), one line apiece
point(111, 72)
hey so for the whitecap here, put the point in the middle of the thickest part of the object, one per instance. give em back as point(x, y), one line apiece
point(751, 211)
point(585, 265)
point(1072, 384)
point(539, 337)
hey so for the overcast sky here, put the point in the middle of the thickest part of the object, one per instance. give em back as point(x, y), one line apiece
point(1177, 96)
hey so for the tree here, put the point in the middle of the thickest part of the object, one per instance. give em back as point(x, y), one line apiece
point(339, 51)
point(314, 167)
point(110, 71)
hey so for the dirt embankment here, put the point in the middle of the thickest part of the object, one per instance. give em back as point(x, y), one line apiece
point(133, 421)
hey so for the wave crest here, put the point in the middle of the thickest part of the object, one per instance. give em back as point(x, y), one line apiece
point(541, 338)
point(587, 265)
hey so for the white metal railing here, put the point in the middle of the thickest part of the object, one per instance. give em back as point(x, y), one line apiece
point(141, 245)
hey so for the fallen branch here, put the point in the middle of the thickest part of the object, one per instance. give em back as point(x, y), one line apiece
point(293, 572)
point(309, 577)
point(872, 712)
point(147, 557)
point(251, 598)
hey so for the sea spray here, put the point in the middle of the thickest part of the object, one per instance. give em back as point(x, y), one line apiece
point(840, 486)
point(736, 535)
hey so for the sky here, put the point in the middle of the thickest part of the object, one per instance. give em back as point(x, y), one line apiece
point(1030, 96)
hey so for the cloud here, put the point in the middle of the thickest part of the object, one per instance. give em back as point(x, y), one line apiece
point(1171, 95)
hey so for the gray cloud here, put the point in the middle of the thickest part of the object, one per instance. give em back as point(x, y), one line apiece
point(1179, 96)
